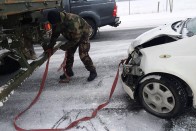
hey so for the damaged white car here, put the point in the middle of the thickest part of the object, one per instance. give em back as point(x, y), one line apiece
point(160, 71)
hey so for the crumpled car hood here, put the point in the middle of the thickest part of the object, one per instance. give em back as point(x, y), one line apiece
point(154, 33)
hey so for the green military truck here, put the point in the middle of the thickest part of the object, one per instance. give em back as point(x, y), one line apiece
point(21, 26)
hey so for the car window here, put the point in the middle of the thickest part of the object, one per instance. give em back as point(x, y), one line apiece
point(191, 25)
point(91, 0)
point(97, 0)
point(75, 1)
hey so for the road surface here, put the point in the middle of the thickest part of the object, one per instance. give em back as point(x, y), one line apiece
point(61, 104)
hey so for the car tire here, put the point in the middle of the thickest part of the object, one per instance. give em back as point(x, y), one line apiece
point(163, 97)
point(8, 65)
point(93, 26)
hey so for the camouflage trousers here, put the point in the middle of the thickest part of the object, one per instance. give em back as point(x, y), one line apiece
point(84, 47)
point(28, 49)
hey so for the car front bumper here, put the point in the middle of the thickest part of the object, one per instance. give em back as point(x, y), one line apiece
point(129, 90)
point(130, 77)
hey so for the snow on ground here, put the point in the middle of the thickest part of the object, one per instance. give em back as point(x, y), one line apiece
point(143, 13)
point(151, 6)
point(62, 103)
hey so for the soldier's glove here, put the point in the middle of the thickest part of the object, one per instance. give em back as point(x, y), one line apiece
point(47, 46)
point(49, 51)
point(44, 46)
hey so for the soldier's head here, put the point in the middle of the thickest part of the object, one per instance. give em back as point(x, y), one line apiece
point(54, 17)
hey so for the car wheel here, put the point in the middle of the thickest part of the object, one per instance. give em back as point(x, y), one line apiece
point(8, 65)
point(163, 97)
point(93, 26)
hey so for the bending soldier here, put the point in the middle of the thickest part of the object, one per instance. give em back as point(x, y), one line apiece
point(76, 30)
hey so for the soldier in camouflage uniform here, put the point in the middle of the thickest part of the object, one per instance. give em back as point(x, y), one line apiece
point(27, 44)
point(76, 30)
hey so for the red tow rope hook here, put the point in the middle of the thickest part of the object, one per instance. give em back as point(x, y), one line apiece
point(74, 123)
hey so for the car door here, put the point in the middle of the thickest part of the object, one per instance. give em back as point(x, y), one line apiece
point(102, 8)
point(76, 6)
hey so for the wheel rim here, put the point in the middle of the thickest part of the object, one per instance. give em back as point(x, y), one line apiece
point(158, 97)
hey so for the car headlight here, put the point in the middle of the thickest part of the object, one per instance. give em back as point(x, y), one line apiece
point(132, 65)
point(136, 57)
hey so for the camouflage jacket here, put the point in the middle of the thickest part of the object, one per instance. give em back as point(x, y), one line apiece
point(72, 27)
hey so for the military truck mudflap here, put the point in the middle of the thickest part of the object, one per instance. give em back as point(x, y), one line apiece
point(7, 89)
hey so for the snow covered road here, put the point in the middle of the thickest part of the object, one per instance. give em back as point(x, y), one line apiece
point(62, 103)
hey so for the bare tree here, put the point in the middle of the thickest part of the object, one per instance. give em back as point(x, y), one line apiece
point(170, 2)
point(171, 5)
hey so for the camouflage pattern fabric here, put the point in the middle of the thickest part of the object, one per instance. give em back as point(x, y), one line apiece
point(72, 27)
point(27, 43)
point(76, 30)
point(84, 47)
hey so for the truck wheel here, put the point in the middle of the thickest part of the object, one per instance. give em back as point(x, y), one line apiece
point(163, 97)
point(8, 65)
point(93, 26)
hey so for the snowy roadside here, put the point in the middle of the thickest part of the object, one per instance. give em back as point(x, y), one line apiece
point(148, 17)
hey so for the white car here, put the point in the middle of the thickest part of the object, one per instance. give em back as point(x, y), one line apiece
point(160, 70)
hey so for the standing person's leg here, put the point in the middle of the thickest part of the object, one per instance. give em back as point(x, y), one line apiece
point(84, 47)
point(70, 60)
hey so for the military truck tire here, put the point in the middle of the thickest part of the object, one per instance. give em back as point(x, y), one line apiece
point(93, 26)
point(8, 65)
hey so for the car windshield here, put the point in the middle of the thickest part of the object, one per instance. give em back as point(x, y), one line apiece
point(191, 25)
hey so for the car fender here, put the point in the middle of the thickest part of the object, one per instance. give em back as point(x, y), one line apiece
point(177, 58)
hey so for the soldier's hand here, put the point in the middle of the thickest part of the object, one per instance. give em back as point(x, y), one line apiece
point(49, 51)
point(47, 46)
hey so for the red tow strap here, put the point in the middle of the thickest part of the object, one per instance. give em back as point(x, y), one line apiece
point(63, 66)
point(74, 123)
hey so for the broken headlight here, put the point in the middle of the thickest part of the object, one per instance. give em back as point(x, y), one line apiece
point(131, 66)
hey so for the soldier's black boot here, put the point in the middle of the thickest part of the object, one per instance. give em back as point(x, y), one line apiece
point(69, 73)
point(92, 76)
